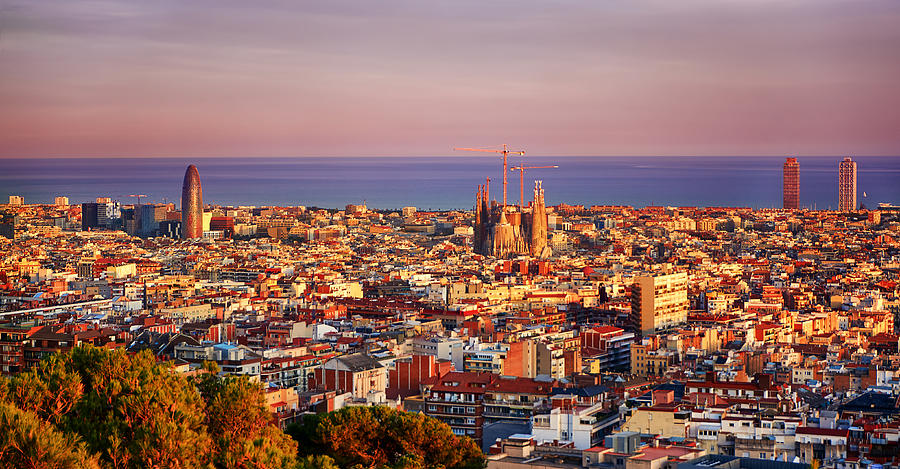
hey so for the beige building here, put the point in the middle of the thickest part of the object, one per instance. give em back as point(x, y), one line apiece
point(191, 313)
point(664, 420)
point(647, 359)
point(659, 302)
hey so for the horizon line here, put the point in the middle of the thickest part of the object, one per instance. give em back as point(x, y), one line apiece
point(785, 155)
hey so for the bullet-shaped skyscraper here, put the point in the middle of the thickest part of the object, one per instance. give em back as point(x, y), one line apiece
point(847, 185)
point(791, 189)
point(191, 205)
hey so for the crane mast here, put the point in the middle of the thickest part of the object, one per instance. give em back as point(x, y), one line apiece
point(521, 170)
point(505, 152)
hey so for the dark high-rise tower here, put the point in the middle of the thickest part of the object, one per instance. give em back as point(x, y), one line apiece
point(791, 190)
point(191, 205)
point(90, 215)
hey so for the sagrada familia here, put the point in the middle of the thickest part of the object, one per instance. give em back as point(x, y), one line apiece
point(510, 231)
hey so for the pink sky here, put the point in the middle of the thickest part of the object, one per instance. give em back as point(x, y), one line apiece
point(591, 77)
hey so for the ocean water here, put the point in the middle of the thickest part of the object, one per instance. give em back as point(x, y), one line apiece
point(448, 182)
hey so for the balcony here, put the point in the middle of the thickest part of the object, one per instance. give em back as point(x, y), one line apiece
point(513, 403)
point(496, 412)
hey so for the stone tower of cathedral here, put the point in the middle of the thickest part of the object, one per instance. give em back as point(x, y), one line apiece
point(506, 232)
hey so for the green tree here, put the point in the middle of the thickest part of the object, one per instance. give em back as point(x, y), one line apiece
point(316, 462)
point(27, 441)
point(241, 424)
point(136, 412)
point(131, 411)
point(385, 438)
point(50, 389)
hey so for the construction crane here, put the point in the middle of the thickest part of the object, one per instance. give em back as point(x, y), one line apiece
point(521, 170)
point(136, 195)
point(505, 152)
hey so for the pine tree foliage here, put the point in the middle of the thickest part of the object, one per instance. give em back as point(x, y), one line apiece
point(27, 441)
point(381, 437)
point(99, 408)
point(129, 411)
point(241, 425)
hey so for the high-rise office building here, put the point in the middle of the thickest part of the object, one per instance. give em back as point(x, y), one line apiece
point(151, 215)
point(659, 302)
point(8, 225)
point(108, 213)
point(170, 228)
point(131, 219)
point(90, 215)
point(16, 200)
point(191, 205)
point(61, 201)
point(847, 185)
point(791, 189)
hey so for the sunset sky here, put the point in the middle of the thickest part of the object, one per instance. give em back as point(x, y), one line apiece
point(417, 77)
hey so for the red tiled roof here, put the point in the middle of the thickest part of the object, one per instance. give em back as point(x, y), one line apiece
point(822, 431)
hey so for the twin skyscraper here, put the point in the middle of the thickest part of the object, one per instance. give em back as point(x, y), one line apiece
point(846, 185)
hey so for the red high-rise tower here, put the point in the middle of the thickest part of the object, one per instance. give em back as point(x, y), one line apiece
point(847, 185)
point(791, 190)
point(191, 205)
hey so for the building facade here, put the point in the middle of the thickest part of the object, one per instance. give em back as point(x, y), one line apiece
point(791, 181)
point(847, 185)
point(191, 205)
point(90, 215)
point(506, 231)
point(659, 302)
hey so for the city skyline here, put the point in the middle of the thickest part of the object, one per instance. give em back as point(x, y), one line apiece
point(117, 79)
point(515, 234)
point(446, 183)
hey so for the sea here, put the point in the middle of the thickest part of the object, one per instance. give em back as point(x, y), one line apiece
point(449, 182)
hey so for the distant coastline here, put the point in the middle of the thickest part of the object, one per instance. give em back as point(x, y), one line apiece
point(449, 182)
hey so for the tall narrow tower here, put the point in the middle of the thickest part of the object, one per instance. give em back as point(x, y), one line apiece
point(191, 205)
point(538, 222)
point(791, 189)
point(847, 185)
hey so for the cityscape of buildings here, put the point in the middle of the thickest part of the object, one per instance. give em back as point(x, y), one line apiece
point(611, 337)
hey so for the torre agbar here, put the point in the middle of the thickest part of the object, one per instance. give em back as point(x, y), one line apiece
point(191, 205)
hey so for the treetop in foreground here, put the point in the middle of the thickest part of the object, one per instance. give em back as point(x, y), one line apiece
point(100, 408)
point(381, 437)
